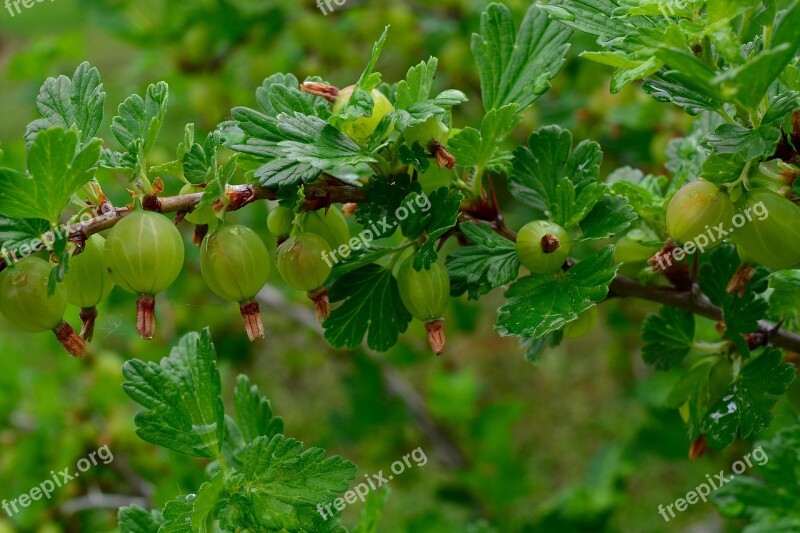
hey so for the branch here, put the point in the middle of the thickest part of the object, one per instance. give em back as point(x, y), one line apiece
point(626, 287)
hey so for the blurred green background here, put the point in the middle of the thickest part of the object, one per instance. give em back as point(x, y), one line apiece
point(578, 442)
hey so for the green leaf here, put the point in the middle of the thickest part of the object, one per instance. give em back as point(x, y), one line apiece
point(134, 519)
point(483, 149)
point(254, 412)
point(516, 67)
point(552, 178)
point(286, 483)
point(312, 141)
point(66, 102)
point(740, 314)
point(182, 397)
point(56, 171)
point(430, 216)
point(768, 499)
point(372, 513)
point(139, 119)
point(178, 515)
point(16, 233)
point(749, 83)
point(488, 262)
point(610, 216)
point(746, 407)
point(370, 306)
point(745, 142)
point(417, 85)
point(206, 501)
point(200, 160)
point(538, 305)
point(384, 198)
point(785, 298)
point(664, 87)
point(667, 337)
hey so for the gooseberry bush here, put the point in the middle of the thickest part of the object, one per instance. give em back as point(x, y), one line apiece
point(384, 206)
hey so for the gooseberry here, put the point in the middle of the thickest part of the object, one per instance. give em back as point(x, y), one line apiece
point(25, 303)
point(330, 225)
point(235, 265)
point(144, 254)
point(695, 209)
point(425, 294)
point(425, 133)
point(770, 233)
point(88, 282)
point(582, 325)
point(543, 246)
point(280, 221)
point(302, 264)
point(361, 128)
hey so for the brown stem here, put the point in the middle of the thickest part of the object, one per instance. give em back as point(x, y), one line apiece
point(322, 305)
point(70, 340)
point(146, 316)
point(88, 317)
point(436, 338)
point(200, 232)
point(251, 313)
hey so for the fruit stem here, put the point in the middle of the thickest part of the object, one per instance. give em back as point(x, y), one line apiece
point(251, 312)
point(322, 305)
point(70, 340)
point(88, 317)
point(436, 338)
point(146, 316)
point(200, 232)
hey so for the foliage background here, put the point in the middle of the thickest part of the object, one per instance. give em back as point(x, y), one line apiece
point(579, 442)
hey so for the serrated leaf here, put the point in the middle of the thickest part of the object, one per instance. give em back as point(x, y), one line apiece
point(56, 171)
point(785, 298)
point(540, 304)
point(15, 233)
point(204, 504)
point(139, 119)
point(184, 411)
point(516, 67)
point(384, 198)
point(371, 515)
point(483, 149)
point(552, 178)
point(664, 87)
point(178, 515)
point(667, 337)
point(134, 519)
point(66, 102)
point(371, 306)
point(749, 143)
point(312, 141)
point(746, 407)
point(254, 412)
point(609, 216)
point(488, 262)
point(417, 85)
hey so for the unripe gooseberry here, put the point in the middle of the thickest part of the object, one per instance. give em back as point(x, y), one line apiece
point(88, 282)
point(695, 209)
point(629, 248)
point(330, 225)
point(144, 254)
point(25, 303)
point(199, 217)
point(543, 247)
point(235, 265)
point(303, 262)
point(425, 133)
point(582, 325)
point(770, 233)
point(280, 221)
point(425, 294)
point(361, 128)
